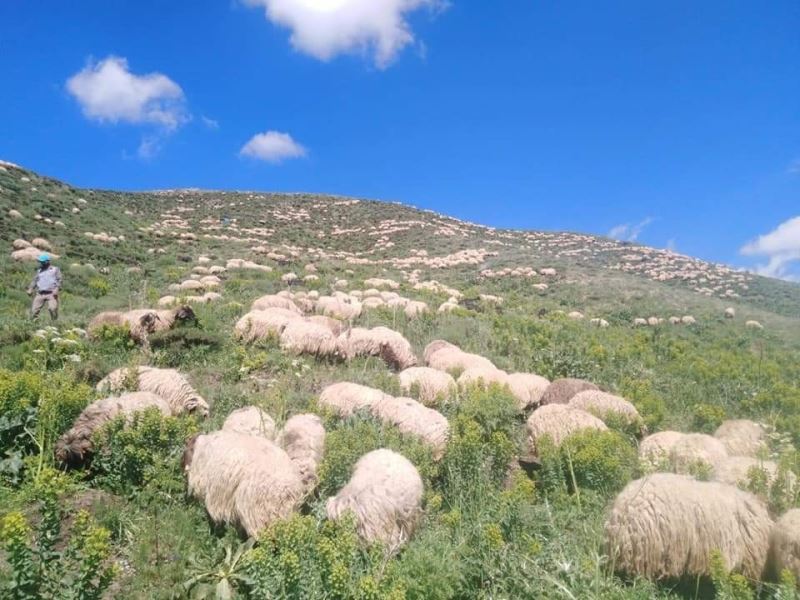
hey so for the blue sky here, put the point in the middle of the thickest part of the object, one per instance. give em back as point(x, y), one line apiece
point(672, 123)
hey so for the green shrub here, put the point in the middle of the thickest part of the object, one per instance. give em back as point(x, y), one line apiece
point(143, 454)
point(98, 287)
point(727, 585)
point(183, 345)
point(707, 417)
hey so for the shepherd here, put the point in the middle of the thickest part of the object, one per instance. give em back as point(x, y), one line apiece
point(45, 287)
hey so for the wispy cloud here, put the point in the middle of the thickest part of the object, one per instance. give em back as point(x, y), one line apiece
point(326, 28)
point(209, 122)
point(273, 147)
point(109, 93)
point(629, 232)
point(781, 247)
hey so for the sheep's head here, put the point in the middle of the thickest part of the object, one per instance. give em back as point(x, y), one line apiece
point(188, 452)
point(185, 314)
point(197, 406)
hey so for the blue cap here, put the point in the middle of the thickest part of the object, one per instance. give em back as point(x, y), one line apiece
point(44, 258)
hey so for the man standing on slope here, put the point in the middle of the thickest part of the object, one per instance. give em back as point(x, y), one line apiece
point(46, 284)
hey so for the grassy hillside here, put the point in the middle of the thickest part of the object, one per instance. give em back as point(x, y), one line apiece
point(484, 533)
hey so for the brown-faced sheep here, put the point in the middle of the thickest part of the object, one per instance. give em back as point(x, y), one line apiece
point(432, 386)
point(261, 324)
point(604, 405)
point(300, 336)
point(345, 398)
point(654, 450)
point(784, 546)
point(696, 450)
point(142, 322)
point(558, 421)
point(389, 345)
point(75, 446)
point(668, 526)
point(561, 391)
point(243, 480)
point(414, 419)
point(384, 495)
point(527, 388)
point(250, 420)
point(167, 383)
point(303, 439)
point(742, 437)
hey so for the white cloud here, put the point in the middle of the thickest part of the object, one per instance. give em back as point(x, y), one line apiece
point(781, 246)
point(794, 167)
point(627, 232)
point(209, 122)
point(109, 93)
point(273, 147)
point(327, 28)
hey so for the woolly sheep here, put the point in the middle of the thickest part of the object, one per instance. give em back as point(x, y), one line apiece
point(14, 214)
point(688, 320)
point(415, 308)
point(384, 495)
point(20, 244)
point(260, 324)
point(753, 325)
point(142, 322)
point(303, 440)
point(482, 376)
point(603, 405)
point(335, 326)
point(602, 323)
point(250, 420)
point(389, 345)
point(243, 480)
point(434, 347)
point(639, 322)
point(30, 254)
point(696, 449)
point(452, 358)
point(274, 301)
point(167, 383)
point(730, 312)
point(784, 546)
point(41, 243)
point(431, 385)
point(75, 446)
point(338, 308)
point(558, 421)
point(527, 388)
point(654, 450)
point(668, 526)
point(345, 398)
point(736, 470)
point(742, 437)
point(305, 337)
point(414, 419)
point(561, 391)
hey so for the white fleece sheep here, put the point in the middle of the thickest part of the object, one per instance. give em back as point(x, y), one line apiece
point(384, 495)
point(303, 439)
point(668, 526)
point(655, 449)
point(261, 324)
point(345, 398)
point(527, 388)
point(558, 422)
point(605, 405)
point(171, 385)
point(275, 301)
point(394, 349)
point(784, 546)
point(742, 437)
point(415, 419)
point(445, 356)
point(251, 420)
point(694, 450)
point(432, 386)
point(300, 336)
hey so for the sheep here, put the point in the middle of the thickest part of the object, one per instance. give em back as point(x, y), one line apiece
point(414, 308)
point(654, 450)
point(345, 398)
point(668, 526)
point(736, 470)
point(243, 480)
point(14, 214)
point(166, 301)
point(167, 383)
point(452, 358)
point(482, 376)
point(784, 546)
point(335, 326)
point(20, 244)
point(561, 391)
point(602, 323)
point(30, 254)
point(260, 324)
point(603, 405)
point(432, 385)
point(434, 347)
point(742, 437)
point(250, 420)
point(142, 322)
point(41, 244)
point(389, 345)
point(695, 450)
point(575, 315)
point(75, 446)
point(338, 308)
point(688, 320)
point(305, 337)
point(414, 419)
point(371, 303)
point(730, 313)
point(384, 495)
point(639, 322)
point(447, 307)
point(558, 421)
point(753, 325)
point(303, 440)
point(527, 388)
point(274, 301)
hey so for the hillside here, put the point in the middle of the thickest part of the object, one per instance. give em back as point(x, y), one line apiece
point(546, 303)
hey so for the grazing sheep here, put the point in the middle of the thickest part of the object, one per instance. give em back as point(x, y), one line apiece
point(675, 320)
point(334, 325)
point(243, 480)
point(20, 244)
point(300, 336)
point(575, 315)
point(167, 383)
point(142, 322)
point(654, 450)
point(730, 313)
point(275, 301)
point(561, 391)
point(688, 320)
point(447, 307)
point(414, 419)
point(345, 398)
point(414, 308)
point(558, 421)
point(432, 385)
point(41, 244)
point(303, 439)
point(527, 388)
point(434, 347)
point(444, 356)
point(261, 324)
point(639, 322)
point(75, 446)
point(250, 420)
point(389, 345)
point(338, 308)
point(696, 449)
point(753, 325)
point(603, 405)
point(30, 254)
point(736, 470)
point(742, 437)
point(14, 214)
point(784, 546)
point(384, 495)
point(483, 377)
point(668, 526)
point(602, 323)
